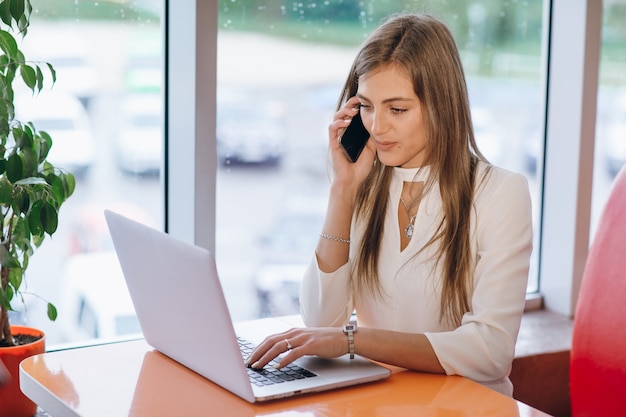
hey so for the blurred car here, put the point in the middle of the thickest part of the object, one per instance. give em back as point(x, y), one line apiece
point(615, 139)
point(487, 138)
point(144, 68)
point(89, 232)
point(139, 146)
point(533, 148)
point(66, 120)
point(287, 249)
point(250, 130)
point(68, 55)
point(95, 299)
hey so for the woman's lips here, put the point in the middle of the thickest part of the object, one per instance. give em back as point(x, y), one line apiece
point(385, 146)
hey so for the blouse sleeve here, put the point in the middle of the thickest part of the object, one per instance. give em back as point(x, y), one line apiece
point(483, 347)
point(325, 297)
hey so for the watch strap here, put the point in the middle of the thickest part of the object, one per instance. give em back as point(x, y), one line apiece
point(349, 330)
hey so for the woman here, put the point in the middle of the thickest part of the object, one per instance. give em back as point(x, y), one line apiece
point(426, 241)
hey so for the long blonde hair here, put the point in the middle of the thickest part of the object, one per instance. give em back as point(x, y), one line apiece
point(424, 47)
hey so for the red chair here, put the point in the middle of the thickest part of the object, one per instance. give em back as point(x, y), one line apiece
point(598, 357)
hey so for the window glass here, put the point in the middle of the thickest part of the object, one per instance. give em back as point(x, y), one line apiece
point(281, 66)
point(105, 117)
point(610, 150)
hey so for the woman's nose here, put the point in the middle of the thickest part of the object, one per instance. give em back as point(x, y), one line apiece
point(377, 124)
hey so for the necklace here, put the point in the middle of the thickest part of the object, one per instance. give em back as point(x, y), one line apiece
point(408, 230)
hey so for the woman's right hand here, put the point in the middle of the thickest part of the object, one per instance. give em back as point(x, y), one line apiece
point(343, 169)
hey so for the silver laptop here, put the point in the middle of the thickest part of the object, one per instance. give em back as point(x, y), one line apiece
point(182, 311)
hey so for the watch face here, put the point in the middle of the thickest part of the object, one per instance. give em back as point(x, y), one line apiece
point(348, 328)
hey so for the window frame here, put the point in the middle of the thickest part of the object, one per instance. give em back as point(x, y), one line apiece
point(190, 85)
point(572, 91)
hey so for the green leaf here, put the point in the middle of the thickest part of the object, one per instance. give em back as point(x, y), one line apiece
point(17, 9)
point(31, 161)
point(34, 219)
point(19, 57)
point(29, 76)
point(15, 168)
point(5, 12)
point(6, 259)
point(6, 191)
point(69, 182)
point(39, 78)
point(52, 312)
point(58, 188)
point(16, 277)
point(49, 217)
point(19, 136)
point(5, 298)
point(8, 45)
point(53, 73)
point(22, 201)
point(31, 181)
point(45, 144)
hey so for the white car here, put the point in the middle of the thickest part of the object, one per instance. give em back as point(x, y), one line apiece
point(139, 146)
point(63, 117)
point(96, 302)
point(68, 54)
point(250, 129)
point(485, 131)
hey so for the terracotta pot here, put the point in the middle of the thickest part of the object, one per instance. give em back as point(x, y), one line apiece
point(14, 403)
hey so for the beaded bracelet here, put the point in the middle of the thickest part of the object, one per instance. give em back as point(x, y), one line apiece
point(335, 238)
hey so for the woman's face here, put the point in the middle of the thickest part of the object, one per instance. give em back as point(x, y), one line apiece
point(392, 113)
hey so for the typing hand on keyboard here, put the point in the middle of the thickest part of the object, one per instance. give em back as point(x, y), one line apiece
point(271, 374)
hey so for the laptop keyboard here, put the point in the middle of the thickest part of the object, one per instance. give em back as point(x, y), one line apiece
point(270, 375)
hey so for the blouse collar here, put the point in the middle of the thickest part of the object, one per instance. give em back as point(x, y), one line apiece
point(411, 174)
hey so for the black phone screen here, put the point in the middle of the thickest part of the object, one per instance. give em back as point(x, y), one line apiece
point(354, 138)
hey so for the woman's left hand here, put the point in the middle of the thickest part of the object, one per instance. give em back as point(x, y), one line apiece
point(326, 342)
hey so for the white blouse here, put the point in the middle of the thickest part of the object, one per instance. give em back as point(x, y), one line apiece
point(483, 347)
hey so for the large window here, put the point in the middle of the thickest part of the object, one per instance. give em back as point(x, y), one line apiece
point(244, 90)
point(280, 68)
point(106, 119)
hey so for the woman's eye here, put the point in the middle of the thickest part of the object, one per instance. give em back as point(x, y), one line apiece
point(398, 111)
point(364, 106)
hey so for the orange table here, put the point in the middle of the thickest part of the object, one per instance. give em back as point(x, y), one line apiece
point(132, 379)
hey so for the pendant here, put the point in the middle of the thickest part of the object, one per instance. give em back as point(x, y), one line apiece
point(408, 231)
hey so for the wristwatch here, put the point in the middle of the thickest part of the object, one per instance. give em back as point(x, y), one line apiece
point(350, 329)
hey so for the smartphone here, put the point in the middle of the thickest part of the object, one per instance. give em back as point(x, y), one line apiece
point(354, 138)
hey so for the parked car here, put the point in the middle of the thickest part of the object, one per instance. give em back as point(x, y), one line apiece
point(139, 146)
point(533, 148)
point(75, 74)
point(286, 250)
point(250, 129)
point(89, 231)
point(96, 302)
point(487, 137)
point(144, 69)
point(64, 117)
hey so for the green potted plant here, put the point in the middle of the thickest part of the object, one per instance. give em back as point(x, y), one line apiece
point(32, 191)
